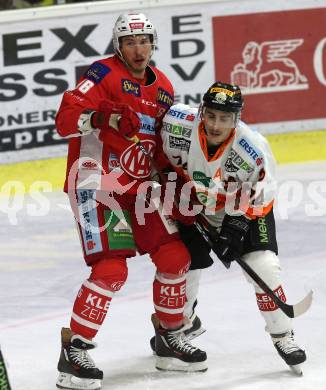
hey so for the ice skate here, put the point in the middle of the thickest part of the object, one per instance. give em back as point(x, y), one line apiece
point(192, 329)
point(174, 353)
point(77, 370)
point(289, 351)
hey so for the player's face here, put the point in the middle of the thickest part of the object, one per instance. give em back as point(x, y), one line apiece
point(136, 51)
point(218, 125)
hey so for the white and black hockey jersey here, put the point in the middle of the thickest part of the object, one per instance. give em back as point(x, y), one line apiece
point(238, 179)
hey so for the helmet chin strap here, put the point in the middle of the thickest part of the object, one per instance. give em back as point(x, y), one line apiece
point(122, 58)
point(201, 111)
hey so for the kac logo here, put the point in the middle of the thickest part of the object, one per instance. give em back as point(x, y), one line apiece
point(135, 162)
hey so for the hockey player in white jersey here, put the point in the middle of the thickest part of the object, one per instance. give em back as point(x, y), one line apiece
point(231, 168)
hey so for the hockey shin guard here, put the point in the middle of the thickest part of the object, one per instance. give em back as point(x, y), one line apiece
point(193, 278)
point(266, 265)
point(90, 308)
point(169, 296)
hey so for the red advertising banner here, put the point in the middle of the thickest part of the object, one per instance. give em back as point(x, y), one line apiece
point(279, 61)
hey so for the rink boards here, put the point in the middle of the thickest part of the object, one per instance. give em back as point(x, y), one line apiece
point(287, 148)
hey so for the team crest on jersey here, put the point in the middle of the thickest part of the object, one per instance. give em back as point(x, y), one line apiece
point(135, 162)
point(129, 86)
point(97, 72)
point(164, 98)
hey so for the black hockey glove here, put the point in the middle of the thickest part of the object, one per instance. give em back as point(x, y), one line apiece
point(229, 245)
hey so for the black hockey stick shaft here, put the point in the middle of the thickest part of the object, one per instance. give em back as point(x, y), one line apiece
point(287, 309)
point(290, 310)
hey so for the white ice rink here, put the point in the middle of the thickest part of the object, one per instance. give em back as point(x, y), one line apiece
point(42, 268)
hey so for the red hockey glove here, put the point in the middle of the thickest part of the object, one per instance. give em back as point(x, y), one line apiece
point(101, 117)
point(129, 122)
point(118, 116)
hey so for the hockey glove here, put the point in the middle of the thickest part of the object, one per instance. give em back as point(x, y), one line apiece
point(229, 245)
point(118, 116)
point(129, 123)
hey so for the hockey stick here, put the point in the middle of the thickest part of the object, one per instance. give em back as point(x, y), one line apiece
point(291, 311)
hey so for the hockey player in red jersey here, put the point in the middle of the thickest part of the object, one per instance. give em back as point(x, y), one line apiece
point(231, 168)
point(119, 98)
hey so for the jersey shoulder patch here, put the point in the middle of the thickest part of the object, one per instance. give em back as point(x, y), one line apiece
point(249, 143)
point(182, 112)
point(164, 97)
point(180, 120)
point(96, 72)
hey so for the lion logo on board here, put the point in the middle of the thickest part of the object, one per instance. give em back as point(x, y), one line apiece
point(266, 67)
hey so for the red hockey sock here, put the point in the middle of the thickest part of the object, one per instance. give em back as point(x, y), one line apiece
point(169, 294)
point(90, 308)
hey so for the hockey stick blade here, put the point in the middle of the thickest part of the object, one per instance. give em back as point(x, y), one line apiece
point(302, 306)
point(291, 311)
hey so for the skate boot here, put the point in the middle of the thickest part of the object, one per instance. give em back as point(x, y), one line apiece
point(192, 329)
point(174, 353)
point(289, 351)
point(77, 370)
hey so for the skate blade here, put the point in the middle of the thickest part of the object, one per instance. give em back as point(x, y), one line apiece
point(195, 334)
point(297, 370)
point(71, 382)
point(174, 364)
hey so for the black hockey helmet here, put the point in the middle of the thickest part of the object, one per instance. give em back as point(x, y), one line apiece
point(223, 97)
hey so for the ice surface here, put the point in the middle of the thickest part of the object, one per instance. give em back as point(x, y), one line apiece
point(42, 268)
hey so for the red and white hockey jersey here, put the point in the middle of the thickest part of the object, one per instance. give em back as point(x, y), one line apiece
point(89, 159)
point(238, 179)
